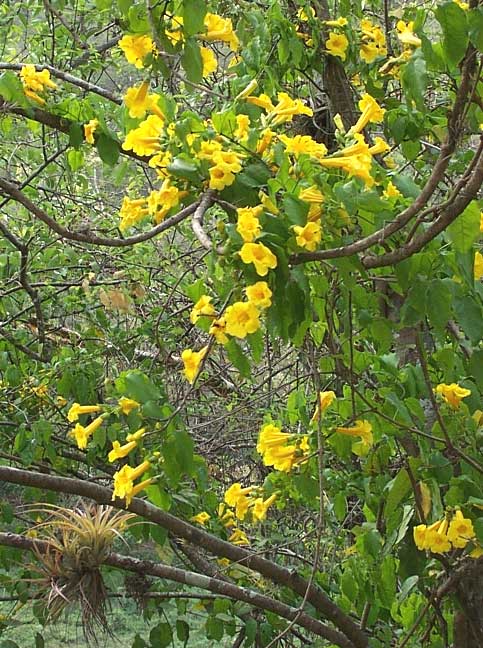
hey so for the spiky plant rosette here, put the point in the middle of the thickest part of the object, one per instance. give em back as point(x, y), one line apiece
point(75, 543)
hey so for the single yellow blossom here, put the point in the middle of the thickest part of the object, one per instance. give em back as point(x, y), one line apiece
point(371, 112)
point(326, 398)
point(248, 225)
point(239, 538)
point(192, 361)
point(453, 393)
point(210, 62)
point(82, 434)
point(220, 29)
point(242, 127)
point(124, 478)
point(201, 518)
point(478, 266)
point(287, 108)
point(312, 195)
point(337, 45)
point(391, 191)
point(362, 429)
point(120, 451)
point(90, 129)
point(260, 507)
point(308, 236)
point(218, 330)
point(406, 34)
point(139, 102)
point(136, 48)
point(241, 318)
point(203, 307)
point(258, 254)
point(132, 212)
point(127, 405)
point(460, 530)
point(259, 294)
point(77, 410)
point(136, 436)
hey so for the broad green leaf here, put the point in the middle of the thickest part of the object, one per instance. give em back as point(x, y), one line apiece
point(455, 31)
point(137, 386)
point(475, 24)
point(464, 231)
point(397, 489)
point(161, 636)
point(192, 62)
point(238, 358)
point(108, 149)
point(414, 79)
point(194, 12)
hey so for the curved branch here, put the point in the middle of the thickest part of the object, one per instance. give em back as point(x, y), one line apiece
point(194, 579)
point(197, 224)
point(455, 124)
point(12, 191)
point(222, 548)
point(448, 215)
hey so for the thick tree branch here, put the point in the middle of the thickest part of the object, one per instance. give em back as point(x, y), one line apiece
point(193, 579)
point(277, 574)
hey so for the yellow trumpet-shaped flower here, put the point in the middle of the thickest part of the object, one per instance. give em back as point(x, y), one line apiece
point(90, 129)
point(262, 258)
point(287, 108)
point(452, 394)
point(236, 492)
point(238, 537)
point(127, 405)
point(337, 45)
point(220, 29)
point(241, 319)
point(361, 429)
point(201, 518)
point(259, 294)
point(123, 481)
point(308, 236)
point(203, 307)
point(248, 225)
point(136, 436)
point(192, 361)
point(139, 101)
point(209, 60)
point(218, 330)
point(136, 48)
point(326, 398)
point(260, 507)
point(371, 113)
point(82, 434)
point(77, 410)
point(406, 34)
point(120, 451)
point(312, 195)
point(478, 266)
point(460, 530)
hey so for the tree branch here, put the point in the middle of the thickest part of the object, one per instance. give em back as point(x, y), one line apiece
point(222, 548)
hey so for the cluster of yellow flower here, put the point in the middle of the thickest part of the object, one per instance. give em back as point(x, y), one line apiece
point(239, 320)
point(281, 450)
point(442, 536)
point(82, 433)
point(373, 41)
point(34, 82)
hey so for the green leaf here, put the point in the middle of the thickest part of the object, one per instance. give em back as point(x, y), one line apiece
point(438, 304)
point(161, 636)
point(214, 629)
point(182, 168)
point(238, 358)
point(455, 31)
point(414, 80)
point(464, 231)
point(11, 89)
point(296, 210)
point(255, 175)
point(76, 135)
point(475, 24)
point(39, 640)
point(348, 585)
point(191, 61)
point(182, 630)
point(139, 642)
point(137, 386)
point(478, 527)
point(397, 489)
point(75, 159)
point(194, 12)
point(470, 317)
point(108, 149)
